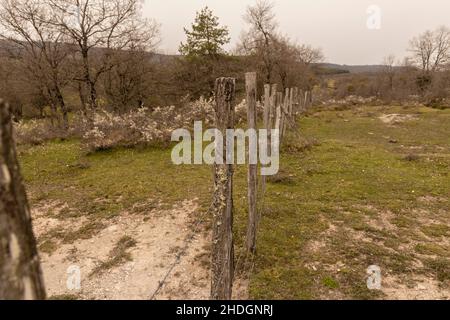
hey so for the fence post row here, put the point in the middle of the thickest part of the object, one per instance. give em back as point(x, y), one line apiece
point(280, 110)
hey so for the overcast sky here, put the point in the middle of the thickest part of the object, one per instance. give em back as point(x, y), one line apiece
point(339, 27)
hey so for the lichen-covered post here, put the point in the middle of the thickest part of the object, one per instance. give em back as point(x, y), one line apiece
point(250, 87)
point(273, 105)
point(296, 101)
point(20, 272)
point(301, 97)
point(267, 106)
point(280, 104)
point(291, 103)
point(305, 102)
point(222, 208)
point(268, 102)
point(278, 119)
point(285, 113)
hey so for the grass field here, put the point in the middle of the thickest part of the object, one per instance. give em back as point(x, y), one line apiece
point(354, 190)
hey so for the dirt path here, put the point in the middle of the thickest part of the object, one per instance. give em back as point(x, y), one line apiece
point(156, 242)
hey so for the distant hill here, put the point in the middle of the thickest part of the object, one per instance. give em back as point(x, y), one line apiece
point(321, 68)
point(342, 68)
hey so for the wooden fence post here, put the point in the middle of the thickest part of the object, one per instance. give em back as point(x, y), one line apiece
point(273, 105)
point(291, 103)
point(268, 99)
point(305, 102)
point(250, 86)
point(280, 104)
point(278, 119)
point(295, 98)
point(267, 105)
point(222, 207)
point(301, 98)
point(20, 271)
point(285, 112)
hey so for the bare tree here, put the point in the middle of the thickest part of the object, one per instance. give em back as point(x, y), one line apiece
point(292, 61)
point(259, 39)
point(389, 70)
point(110, 25)
point(41, 48)
point(276, 55)
point(11, 87)
point(126, 83)
point(431, 50)
point(20, 272)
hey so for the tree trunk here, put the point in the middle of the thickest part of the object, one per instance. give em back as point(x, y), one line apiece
point(83, 102)
point(88, 79)
point(20, 272)
point(54, 114)
point(222, 207)
point(63, 107)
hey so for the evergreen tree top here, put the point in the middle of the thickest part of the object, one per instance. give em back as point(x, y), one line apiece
point(206, 37)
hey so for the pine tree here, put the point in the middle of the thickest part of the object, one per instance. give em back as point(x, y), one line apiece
point(206, 38)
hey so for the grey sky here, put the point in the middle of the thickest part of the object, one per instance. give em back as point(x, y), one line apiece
point(339, 27)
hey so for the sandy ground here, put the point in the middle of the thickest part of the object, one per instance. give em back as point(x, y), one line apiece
point(396, 118)
point(394, 286)
point(158, 241)
point(421, 288)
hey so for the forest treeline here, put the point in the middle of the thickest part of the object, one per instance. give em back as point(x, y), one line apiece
point(59, 57)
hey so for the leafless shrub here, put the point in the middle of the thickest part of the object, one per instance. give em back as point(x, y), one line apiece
point(144, 126)
point(105, 130)
point(36, 132)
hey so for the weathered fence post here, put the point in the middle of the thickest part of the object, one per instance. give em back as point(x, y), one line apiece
point(305, 102)
point(268, 99)
point(291, 103)
point(222, 207)
point(267, 105)
point(280, 104)
point(250, 86)
point(285, 113)
point(20, 271)
point(273, 105)
point(295, 101)
point(278, 119)
point(301, 97)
